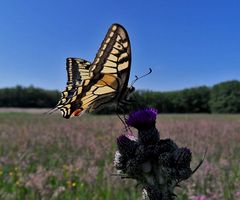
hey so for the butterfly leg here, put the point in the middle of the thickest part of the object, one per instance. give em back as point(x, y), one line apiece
point(120, 108)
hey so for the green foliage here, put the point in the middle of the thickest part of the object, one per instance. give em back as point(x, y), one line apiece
point(193, 100)
point(225, 97)
point(28, 97)
point(221, 98)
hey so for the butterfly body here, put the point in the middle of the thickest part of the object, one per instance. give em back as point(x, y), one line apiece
point(90, 86)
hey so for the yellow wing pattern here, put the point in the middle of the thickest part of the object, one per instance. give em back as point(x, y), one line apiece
point(91, 86)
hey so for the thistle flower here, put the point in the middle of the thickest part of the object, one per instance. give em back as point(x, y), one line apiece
point(183, 157)
point(142, 119)
point(116, 161)
point(126, 146)
point(145, 120)
point(157, 164)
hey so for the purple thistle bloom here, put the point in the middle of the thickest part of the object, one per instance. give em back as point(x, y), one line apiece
point(142, 119)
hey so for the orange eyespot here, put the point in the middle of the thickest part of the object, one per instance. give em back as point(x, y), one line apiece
point(77, 112)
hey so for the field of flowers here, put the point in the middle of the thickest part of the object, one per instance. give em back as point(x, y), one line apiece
point(48, 157)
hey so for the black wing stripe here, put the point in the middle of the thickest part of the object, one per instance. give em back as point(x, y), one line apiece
point(77, 70)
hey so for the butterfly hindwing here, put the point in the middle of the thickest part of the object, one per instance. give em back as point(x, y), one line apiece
point(77, 70)
point(100, 93)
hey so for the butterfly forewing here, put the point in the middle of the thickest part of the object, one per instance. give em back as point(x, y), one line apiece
point(114, 55)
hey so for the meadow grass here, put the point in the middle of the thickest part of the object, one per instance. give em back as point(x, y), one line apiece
point(48, 157)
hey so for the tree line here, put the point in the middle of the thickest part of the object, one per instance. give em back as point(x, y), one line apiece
point(221, 98)
point(28, 97)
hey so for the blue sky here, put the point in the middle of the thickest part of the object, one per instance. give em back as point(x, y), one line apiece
point(187, 43)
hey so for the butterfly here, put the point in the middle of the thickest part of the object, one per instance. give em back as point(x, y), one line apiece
point(91, 86)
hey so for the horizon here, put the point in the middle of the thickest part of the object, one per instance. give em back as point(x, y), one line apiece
point(38, 87)
point(187, 44)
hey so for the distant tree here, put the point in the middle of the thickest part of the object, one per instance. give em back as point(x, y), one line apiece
point(195, 100)
point(225, 97)
point(28, 97)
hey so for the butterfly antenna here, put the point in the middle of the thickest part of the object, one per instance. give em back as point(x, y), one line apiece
point(122, 121)
point(126, 126)
point(137, 78)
